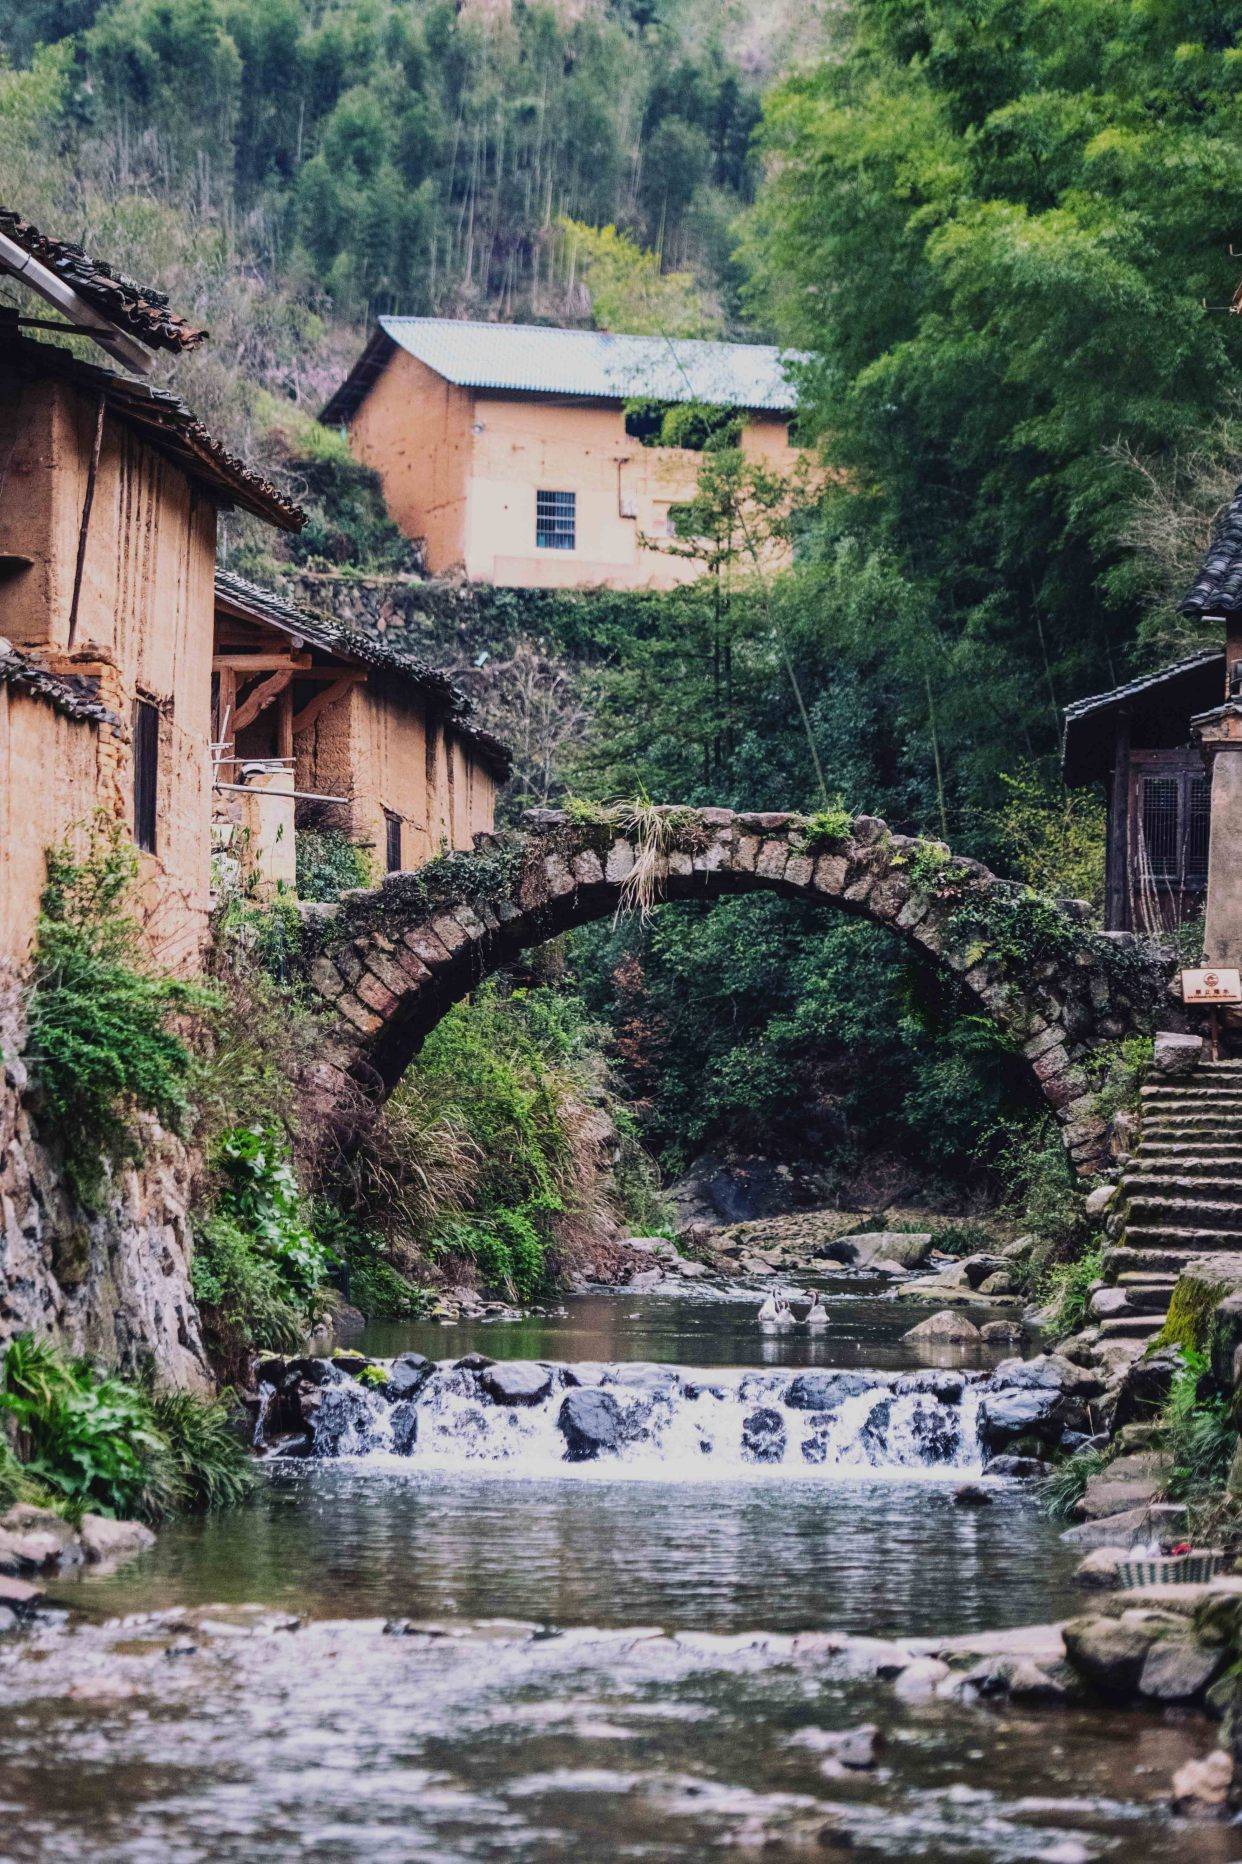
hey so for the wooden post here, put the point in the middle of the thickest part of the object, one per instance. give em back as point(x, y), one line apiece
point(284, 723)
point(1117, 914)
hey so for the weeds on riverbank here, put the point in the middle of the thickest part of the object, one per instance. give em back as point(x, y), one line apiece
point(84, 1440)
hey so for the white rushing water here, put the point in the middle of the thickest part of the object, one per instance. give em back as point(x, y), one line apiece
point(672, 1423)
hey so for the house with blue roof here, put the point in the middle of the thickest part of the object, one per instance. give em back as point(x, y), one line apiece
point(535, 457)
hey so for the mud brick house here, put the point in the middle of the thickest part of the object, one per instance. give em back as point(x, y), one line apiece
point(319, 725)
point(520, 455)
point(110, 491)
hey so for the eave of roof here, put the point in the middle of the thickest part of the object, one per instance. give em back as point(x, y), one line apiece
point(163, 420)
point(256, 603)
point(75, 695)
point(594, 365)
point(1218, 586)
point(1084, 759)
point(140, 310)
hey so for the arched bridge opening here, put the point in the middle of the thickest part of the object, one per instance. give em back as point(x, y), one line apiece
point(387, 963)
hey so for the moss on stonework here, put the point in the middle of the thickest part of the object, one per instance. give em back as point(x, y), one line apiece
point(822, 832)
point(456, 878)
point(1189, 1320)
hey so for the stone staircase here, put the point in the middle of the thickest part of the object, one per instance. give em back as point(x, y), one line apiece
point(1180, 1195)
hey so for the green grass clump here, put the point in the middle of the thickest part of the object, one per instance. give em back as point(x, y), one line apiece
point(90, 1441)
point(1064, 1488)
point(99, 1041)
point(826, 829)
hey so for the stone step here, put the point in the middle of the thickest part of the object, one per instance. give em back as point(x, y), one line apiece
point(1149, 1297)
point(1184, 1213)
point(1187, 1128)
point(1131, 1326)
point(1195, 1161)
point(1123, 1259)
point(1171, 1178)
point(1193, 1087)
point(1191, 1242)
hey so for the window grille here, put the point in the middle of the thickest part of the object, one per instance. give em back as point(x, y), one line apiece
point(392, 841)
point(556, 520)
point(146, 723)
point(1200, 815)
point(1160, 813)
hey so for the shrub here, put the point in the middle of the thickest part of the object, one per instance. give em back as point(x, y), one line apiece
point(89, 1437)
point(1200, 1433)
point(1039, 1188)
point(1122, 1072)
point(329, 864)
point(827, 828)
point(90, 1441)
point(371, 1282)
point(1069, 1286)
point(98, 1041)
point(1054, 837)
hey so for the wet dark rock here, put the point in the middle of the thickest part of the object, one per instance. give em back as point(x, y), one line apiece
point(947, 1387)
point(1022, 1467)
point(341, 1420)
point(18, 1596)
point(694, 1388)
point(286, 1443)
point(407, 1376)
point(1145, 1388)
point(824, 1391)
point(1003, 1332)
point(1109, 1653)
point(936, 1430)
point(763, 1435)
point(472, 1362)
point(1049, 1372)
point(1018, 1678)
point(1005, 1416)
point(1179, 1669)
point(350, 1362)
point(971, 1495)
point(403, 1421)
point(646, 1377)
point(591, 1421)
point(516, 1381)
point(873, 1436)
point(303, 1370)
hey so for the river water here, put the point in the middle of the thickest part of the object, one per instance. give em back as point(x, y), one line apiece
point(478, 1652)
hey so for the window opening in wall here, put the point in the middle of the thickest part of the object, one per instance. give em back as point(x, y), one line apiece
point(146, 772)
point(556, 520)
point(392, 841)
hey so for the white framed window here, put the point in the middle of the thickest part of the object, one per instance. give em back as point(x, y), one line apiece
point(556, 520)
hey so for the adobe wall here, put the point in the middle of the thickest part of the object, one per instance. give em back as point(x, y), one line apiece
point(144, 626)
point(374, 747)
point(413, 428)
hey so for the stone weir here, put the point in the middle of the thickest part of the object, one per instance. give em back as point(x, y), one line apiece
point(539, 1418)
point(388, 962)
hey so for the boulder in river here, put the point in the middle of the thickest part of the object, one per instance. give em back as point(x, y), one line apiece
point(945, 1329)
point(907, 1249)
point(403, 1421)
point(591, 1421)
point(516, 1381)
point(945, 1387)
point(341, 1422)
point(763, 1435)
point(824, 1391)
point(111, 1542)
point(407, 1375)
point(1005, 1416)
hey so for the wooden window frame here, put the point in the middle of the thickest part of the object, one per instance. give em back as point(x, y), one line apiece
point(392, 841)
point(147, 719)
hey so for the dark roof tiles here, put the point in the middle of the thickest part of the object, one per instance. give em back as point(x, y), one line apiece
point(1217, 590)
point(76, 695)
point(138, 309)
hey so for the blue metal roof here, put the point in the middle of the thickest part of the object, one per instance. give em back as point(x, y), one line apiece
point(596, 364)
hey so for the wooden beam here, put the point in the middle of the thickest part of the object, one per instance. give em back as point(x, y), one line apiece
point(284, 723)
point(259, 700)
point(320, 703)
point(1117, 914)
point(258, 663)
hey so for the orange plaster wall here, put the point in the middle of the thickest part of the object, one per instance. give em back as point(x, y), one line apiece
point(145, 619)
point(413, 428)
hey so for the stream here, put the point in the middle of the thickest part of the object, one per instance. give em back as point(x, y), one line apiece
point(476, 1650)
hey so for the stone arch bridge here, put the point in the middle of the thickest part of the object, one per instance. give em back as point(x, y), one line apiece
point(387, 963)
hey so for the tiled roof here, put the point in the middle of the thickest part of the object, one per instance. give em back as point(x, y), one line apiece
point(318, 631)
point(1218, 588)
point(593, 364)
point(138, 309)
point(166, 422)
point(73, 694)
point(1160, 706)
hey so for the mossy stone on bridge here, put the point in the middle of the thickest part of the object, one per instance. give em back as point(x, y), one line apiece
point(390, 961)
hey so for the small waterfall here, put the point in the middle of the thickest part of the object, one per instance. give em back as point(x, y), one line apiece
point(657, 1421)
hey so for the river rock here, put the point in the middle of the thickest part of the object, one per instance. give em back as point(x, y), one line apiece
point(971, 1495)
point(1109, 1653)
point(1178, 1669)
point(763, 1435)
point(1017, 1468)
point(645, 1376)
point(29, 1553)
point(113, 1541)
point(1126, 1482)
point(1000, 1281)
point(341, 1422)
point(1144, 1386)
point(1003, 1333)
point(517, 1381)
point(945, 1387)
point(473, 1362)
point(1201, 1787)
point(937, 1431)
point(1133, 1528)
point(944, 1329)
point(591, 1421)
point(824, 1391)
point(18, 1596)
point(1006, 1416)
point(852, 1748)
point(905, 1249)
point(1098, 1571)
point(1048, 1372)
point(919, 1680)
point(403, 1422)
point(407, 1375)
